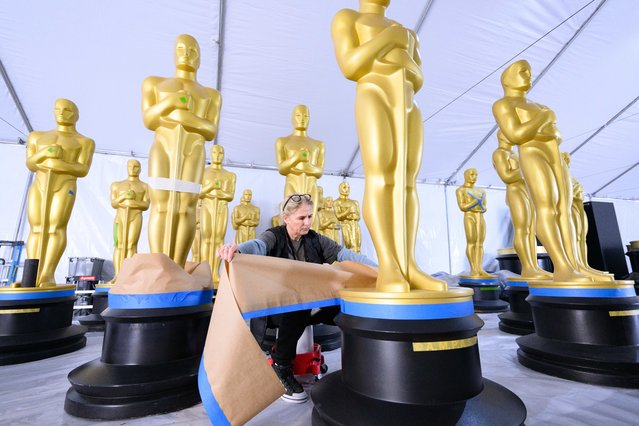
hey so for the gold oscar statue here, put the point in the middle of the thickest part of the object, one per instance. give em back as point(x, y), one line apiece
point(522, 214)
point(245, 218)
point(472, 201)
point(196, 247)
point(579, 220)
point(328, 223)
point(532, 127)
point(58, 158)
point(130, 197)
point(347, 212)
point(218, 189)
point(300, 159)
point(183, 114)
point(276, 221)
point(383, 58)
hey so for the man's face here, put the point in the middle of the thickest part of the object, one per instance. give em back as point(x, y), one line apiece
point(299, 222)
point(301, 117)
point(187, 53)
point(66, 112)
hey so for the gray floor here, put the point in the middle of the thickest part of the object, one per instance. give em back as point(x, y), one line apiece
point(33, 393)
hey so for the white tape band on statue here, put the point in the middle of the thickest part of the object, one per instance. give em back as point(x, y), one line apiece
point(177, 185)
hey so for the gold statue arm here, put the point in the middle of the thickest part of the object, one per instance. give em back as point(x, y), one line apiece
point(284, 163)
point(418, 80)
point(145, 202)
point(317, 171)
point(355, 60)
point(503, 168)
point(35, 156)
point(116, 196)
point(152, 110)
point(206, 126)
point(77, 169)
point(514, 130)
point(464, 206)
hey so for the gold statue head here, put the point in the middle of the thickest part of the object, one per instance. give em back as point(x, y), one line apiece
point(246, 196)
point(187, 53)
point(300, 117)
point(328, 203)
point(470, 176)
point(344, 188)
point(217, 154)
point(566, 157)
point(133, 167)
point(66, 112)
point(517, 76)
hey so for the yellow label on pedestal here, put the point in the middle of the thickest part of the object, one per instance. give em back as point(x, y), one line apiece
point(628, 313)
point(19, 311)
point(445, 345)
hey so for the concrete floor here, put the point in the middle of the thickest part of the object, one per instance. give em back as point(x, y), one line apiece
point(33, 393)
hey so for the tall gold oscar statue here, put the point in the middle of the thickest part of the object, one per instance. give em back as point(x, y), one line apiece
point(58, 158)
point(522, 213)
point(328, 223)
point(347, 212)
point(196, 247)
point(276, 220)
point(533, 128)
point(183, 114)
point(218, 189)
point(579, 220)
point(245, 218)
point(383, 58)
point(130, 197)
point(300, 159)
point(472, 201)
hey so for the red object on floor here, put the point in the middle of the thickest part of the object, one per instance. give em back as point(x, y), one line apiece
point(309, 362)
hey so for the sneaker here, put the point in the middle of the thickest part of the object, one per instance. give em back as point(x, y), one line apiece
point(294, 391)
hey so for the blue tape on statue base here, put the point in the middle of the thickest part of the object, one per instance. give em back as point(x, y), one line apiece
point(102, 289)
point(160, 300)
point(517, 283)
point(31, 295)
point(426, 311)
point(213, 409)
point(486, 281)
point(290, 308)
point(582, 292)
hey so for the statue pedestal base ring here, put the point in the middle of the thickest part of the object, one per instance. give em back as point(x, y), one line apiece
point(150, 358)
point(486, 293)
point(94, 320)
point(519, 319)
point(584, 333)
point(407, 357)
point(35, 323)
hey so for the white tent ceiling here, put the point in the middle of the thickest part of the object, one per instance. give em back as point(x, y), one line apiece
point(276, 54)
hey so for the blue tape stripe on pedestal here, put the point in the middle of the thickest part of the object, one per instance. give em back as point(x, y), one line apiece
point(213, 409)
point(102, 289)
point(408, 312)
point(487, 281)
point(517, 283)
point(582, 292)
point(160, 300)
point(36, 295)
point(290, 308)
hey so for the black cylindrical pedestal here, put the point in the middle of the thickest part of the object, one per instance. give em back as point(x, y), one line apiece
point(486, 294)
point(412, 372)
point(35, 323)
point(586, 339)
point(519, 320)
point(149, 364)
point(94, 320)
